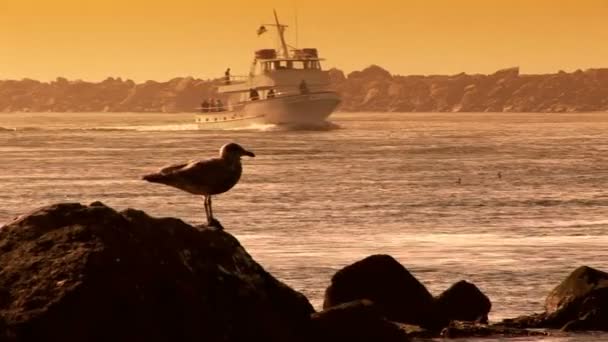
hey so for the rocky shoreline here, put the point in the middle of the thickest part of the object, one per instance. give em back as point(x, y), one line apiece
point(72, 272)
point(373, 89)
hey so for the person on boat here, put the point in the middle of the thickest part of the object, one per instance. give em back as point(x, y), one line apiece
point(205, 106)
point(303, 87)
point(253, 94)
point(270, 94)
point(227, 76)
point(220, 105)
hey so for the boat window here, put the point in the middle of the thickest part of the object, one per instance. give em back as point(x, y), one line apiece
point(297, 64)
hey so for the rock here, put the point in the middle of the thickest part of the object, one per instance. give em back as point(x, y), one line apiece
point(372, 72)
point(380, 278)
point(577, 285)
point(336, 76)
point(70, 272)
point(580, 302)
point(463, 301)
point(464, 330)
point(354, 321)
point(589, 313)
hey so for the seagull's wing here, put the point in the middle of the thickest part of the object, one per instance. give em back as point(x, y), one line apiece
point(165, 171)
point(204, 177)
point(174, 167)
point(209, 170)
point(211, 176)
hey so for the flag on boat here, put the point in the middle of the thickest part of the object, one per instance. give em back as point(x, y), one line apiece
point(261, 30)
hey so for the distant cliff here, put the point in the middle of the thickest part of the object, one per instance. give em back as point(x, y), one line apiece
point(372, 89)
point(375, 89)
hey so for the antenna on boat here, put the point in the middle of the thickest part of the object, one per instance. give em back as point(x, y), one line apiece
point(281, 30)
point(296, 27)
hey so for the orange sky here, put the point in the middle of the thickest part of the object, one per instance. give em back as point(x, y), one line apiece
point(148, 39)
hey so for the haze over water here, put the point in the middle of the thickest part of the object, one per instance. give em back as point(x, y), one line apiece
point(312, 202)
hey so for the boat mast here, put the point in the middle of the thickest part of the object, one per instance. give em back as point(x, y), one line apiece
point(281, 29)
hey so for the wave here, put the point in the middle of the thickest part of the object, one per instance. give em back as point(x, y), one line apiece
point(20, 129)
point(181, 127)
point(324, 126)
point(160, 128)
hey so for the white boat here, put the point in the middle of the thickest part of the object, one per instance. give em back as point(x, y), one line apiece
point(284, 87)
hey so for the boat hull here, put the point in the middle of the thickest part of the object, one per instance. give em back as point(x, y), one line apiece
point(304, 109)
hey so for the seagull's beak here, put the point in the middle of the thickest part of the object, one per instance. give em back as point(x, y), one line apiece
point(248, 153)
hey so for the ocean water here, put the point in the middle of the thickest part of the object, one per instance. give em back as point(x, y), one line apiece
point(313, 201)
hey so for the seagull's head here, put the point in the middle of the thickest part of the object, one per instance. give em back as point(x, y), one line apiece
point(234, 151)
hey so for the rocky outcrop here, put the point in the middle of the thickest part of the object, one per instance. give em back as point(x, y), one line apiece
point(183, 94)
point(375, 90)
point(70, 272)
point(580, 302)
point(463, 301)
point(372, 89)
point(383, 280)
point(579, 284)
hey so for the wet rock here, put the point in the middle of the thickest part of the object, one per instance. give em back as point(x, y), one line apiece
point(577, 285)
point(354, 321)
point(467, 329)
point(463, 301)
point(587, 314)
point(579, 303)
point(70, 272)
point(380, 278)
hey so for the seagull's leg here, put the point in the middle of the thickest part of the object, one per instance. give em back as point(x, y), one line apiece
point(210, 209)
point(212, 221)
point(206, 200)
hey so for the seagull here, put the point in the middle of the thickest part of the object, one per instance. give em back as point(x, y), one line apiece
point(205, 177)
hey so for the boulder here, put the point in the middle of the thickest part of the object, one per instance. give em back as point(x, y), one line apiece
point(358, 320)
point(577, 285)
point(380, 278)
point(70, 272)
point(463, 301)
point(580, 302)
point(592, 313)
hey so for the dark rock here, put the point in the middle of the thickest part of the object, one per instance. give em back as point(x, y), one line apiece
point(467, 329)
point(381, 279)
point(527, 321)
point(577, 285)
point(354, 321)
point(463, 301)
point(589, 313)
point(579, 303)
point(88, 273)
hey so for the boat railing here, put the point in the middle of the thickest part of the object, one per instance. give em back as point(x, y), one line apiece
point(230, 79)
point(236, 106)
point(230, 107)
point(289, 93)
